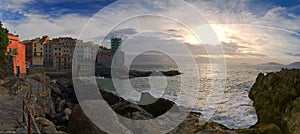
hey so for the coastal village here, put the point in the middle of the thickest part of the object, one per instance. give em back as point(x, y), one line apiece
point(57, 54)
point(32, 101)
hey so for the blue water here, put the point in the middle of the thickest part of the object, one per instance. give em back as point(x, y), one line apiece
point(233, 108)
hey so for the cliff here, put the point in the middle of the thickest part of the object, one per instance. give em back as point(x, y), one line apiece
point(276, 99)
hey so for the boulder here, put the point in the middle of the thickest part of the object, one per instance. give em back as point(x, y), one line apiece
point(158, 107)
point(63, 82)
point(80, 124)
point(46, 126)
point(276, 100)
point(55, 92)
point(44, 79)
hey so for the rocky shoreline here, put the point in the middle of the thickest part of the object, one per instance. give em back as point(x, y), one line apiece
point(106, 72)
point(276, 99)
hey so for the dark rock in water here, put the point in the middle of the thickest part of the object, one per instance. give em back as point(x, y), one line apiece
point(171, 73)
point(136, 73)
point(106, 72)
point(110, 98)
point(276, 100)
point(159, 107)
point(131, 111)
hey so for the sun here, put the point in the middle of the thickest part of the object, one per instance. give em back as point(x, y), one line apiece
point(209, 34)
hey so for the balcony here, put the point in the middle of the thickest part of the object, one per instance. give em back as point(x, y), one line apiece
point(13, 52)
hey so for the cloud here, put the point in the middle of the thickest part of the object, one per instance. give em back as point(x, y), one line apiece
point(38, 25)
point(245, 28)
point(293, 54)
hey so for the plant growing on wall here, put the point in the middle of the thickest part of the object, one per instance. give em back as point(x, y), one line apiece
point(3, 40)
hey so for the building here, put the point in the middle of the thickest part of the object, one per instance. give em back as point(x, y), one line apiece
point(35, 50)
point(115, 43)
point(84, 60)
point(62, 52)
point(17, 50)
point(105, 56)
point(48, 54)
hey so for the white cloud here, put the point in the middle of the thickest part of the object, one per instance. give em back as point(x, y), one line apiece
point(38, 25)
point(271, 33)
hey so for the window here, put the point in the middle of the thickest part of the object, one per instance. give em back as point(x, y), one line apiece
point(41, 49)
point(10, 42)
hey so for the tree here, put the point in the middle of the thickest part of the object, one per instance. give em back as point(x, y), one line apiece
point(3, 40)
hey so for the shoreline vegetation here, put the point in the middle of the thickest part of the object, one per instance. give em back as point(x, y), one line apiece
point(276, 99)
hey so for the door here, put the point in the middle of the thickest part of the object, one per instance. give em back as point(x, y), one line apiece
point(18, 71)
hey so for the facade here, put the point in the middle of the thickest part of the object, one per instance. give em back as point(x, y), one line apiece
point(115, 43)
point(62, 52)
point(35, 50)
point(48, 54)
point(17, 50)
point(105, 56)
point(84, 58)
point(28, 53)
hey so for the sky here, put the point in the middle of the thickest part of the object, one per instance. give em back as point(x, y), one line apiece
point(248, 31)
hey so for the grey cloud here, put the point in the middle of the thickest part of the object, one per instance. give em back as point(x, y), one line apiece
point(294, 54)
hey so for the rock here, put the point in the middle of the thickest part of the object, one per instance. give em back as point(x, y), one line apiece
point(131, 111)
point(62, 118)
point(276, 100)
point(63, 82)
point(171, 73)
point(41, 78)
point(80, 124)
point(60, 106)
point(45, 126)
point(159, 107)
point(50, 111)
point(191, 125)
point(56, 92)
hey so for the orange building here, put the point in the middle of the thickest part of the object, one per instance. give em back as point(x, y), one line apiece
point(17, 50)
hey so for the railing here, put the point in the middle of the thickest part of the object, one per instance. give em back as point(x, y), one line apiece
point(27, 117)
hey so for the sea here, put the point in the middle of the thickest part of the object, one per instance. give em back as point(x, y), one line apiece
point(230, 105)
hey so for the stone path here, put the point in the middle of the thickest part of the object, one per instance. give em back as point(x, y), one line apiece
point(11, 112)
